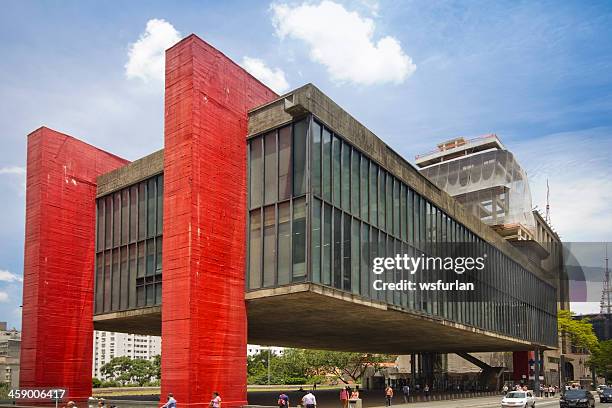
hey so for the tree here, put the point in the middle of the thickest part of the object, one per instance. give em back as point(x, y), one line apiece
point(345, 364)
point(580, 332)
point(124, 370)
point(601, 359)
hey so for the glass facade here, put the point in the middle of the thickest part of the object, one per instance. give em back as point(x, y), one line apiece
point(129, 247)
point(348, 210)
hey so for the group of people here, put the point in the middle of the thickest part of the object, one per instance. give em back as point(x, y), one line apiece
point(215, 401)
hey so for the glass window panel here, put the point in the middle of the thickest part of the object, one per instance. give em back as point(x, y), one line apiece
point(316, 158)
point(299, 237)
point(337, 282)
point(142, 210)
point(158, 255)
point(389, 203)
point(270, 168)
point(256, 172)
point(100, 282)
point(364, 188)
point(100, 224)
point(116, 281)
point(355, 182)
point(299, 157)
point(355, 278)
point(132, 276)
point(150, 257)
point(150, 294)
point(316, 241)
point(410, 215)
point(133, 213)
point(255, 253)
point(107, 281)
point(403, 225)
point(158, 293)
point(160, 203)
point(346, 252)
point(327, 244)
point(396, 207)
point(365, 262)
point(346, 177)
point(116, 219)
point(141, 259)
point(140, 294)
point(381, 199)
point(284, 163)
point(379, 294)
point(269, 256)
point(284, 243)
point(336, 159)
point(125, 216)
point(123, 302)
point(373, 191)
point(151, 210)
point(326, 164)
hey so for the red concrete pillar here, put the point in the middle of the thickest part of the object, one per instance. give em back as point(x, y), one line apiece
point(520, 366)
point(204, 315)
point(57, 322)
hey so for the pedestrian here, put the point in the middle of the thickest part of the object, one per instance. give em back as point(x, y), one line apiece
point(309, 400)
point(426, 389)
point(505, 389)
point(283, 401)
point(171, 403)
point(215, 402)
point(388, 395)
point(355, 394)
point(101, 403)
point(344, 397)
point(406, 392)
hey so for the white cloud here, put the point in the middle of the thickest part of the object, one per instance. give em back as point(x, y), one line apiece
point(13, 170)
point(272, 77)
point(146, 57)
point(577, 168)
point(4, 297)
point(343, 42)
point(7, 276)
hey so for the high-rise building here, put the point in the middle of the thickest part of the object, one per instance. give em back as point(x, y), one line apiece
point(108, 345)
point(10, 344)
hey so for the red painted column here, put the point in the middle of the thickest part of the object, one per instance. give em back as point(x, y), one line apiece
point(520, 366)
point(57, 321)
point(204, 247)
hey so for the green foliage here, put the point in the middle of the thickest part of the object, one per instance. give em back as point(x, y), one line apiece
point(601, 359)
point(96, 382)
point(127, 371)
point(298, 366)
point(4, 390)
point(580, 332)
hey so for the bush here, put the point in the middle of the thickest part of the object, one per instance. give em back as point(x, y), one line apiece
point(96, 382)
point(295, 380)
point(109, 383)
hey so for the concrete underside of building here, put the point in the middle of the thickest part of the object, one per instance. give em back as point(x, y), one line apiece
point(318, 317)
point(212, 107)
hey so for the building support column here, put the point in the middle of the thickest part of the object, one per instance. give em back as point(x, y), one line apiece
point(204, 323)
point(536, 372)
point(58, 278)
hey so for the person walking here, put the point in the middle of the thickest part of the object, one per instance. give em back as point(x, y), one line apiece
point(283, 401)
point(309, 400)
point(388, 395)
point(505, 389)
point(215, 402)
point(426, 389)
point(170, 403)
point(355, 394)
point(406, 392)
point(344, 397)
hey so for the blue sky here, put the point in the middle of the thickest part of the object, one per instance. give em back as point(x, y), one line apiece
point(538, 74)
